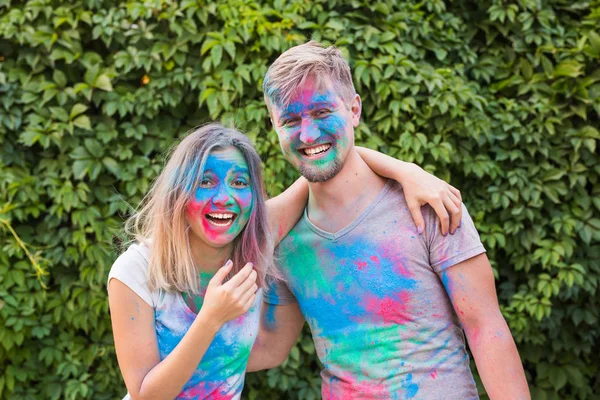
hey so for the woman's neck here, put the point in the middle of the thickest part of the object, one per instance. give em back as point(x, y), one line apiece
point(207, 258)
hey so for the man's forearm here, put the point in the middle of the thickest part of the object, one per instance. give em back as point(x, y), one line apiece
point(261, 358)
point(497, 360)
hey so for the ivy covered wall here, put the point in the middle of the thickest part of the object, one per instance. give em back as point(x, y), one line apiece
point(500, 97)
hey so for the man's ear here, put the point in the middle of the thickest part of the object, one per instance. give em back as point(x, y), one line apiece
point(356, 109)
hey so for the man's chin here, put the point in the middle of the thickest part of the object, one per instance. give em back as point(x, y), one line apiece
point(320, 175)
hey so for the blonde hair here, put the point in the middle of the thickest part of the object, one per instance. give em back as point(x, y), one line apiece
point(161, 222)
point(291, 69)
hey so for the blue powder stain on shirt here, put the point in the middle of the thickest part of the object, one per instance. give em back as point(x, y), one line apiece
point(410, 387)
point(269, 320)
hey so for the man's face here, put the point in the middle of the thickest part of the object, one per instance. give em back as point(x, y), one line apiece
point(316, 130)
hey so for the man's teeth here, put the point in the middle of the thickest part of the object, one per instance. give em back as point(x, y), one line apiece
point(221, 216)
point(317, 150)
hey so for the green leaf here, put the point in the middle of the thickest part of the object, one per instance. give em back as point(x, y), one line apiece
point(83, 121)
point(76, 110)
point(59, 78)
point(570, 68)
point(594, 41)
point(103, 82)
point(112, 165)
point(80, 168)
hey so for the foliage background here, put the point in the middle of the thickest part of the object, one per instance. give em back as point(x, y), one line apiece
point(501, 97)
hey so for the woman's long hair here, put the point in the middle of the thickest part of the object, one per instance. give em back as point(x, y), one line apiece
point(161, 222)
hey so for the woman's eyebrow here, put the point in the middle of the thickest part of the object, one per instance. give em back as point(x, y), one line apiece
point(240, 170)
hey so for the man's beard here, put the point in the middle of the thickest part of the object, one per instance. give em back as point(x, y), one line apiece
point(314, 174)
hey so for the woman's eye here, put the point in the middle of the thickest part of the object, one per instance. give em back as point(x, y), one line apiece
point(240, 183)
point(206, 183)
point(323, 112)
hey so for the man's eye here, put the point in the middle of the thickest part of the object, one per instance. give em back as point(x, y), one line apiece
point(323, 112)
point(290, 121)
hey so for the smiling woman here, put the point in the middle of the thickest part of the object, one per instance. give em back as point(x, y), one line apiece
point(185, 298)
point(222, 204)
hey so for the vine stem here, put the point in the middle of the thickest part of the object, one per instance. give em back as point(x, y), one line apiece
point(39, 271)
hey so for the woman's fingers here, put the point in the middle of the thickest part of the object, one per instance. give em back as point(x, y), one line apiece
point(239, 277)
point(440, 209)
point(247, 284)
point(217, 279)
point(249, 302)
point(456, 192)
point(455, 213)
point(417, 216)
point(247, 294)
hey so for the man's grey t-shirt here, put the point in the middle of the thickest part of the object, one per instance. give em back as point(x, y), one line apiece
point(372, 293)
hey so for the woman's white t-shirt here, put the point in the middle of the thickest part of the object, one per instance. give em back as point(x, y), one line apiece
point(220, 374)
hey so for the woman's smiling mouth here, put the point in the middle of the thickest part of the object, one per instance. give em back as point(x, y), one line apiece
point(220, 218)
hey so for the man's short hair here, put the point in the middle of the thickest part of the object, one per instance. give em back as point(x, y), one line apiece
point(291, 69)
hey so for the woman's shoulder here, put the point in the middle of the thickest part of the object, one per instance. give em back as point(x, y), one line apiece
point(131, 268)
point(136, 256)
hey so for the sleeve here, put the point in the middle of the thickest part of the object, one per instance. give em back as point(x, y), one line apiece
point(278, 293)
point(447, 251)
point(131, 268)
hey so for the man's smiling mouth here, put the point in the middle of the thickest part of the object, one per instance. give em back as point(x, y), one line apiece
point(221, 218)
point(315, 150)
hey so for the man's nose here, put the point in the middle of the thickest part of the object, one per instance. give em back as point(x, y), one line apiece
point(309, 132)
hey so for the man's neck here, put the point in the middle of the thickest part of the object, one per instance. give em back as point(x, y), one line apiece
point(334, 204)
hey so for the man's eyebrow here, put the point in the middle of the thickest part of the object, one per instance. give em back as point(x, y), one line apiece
point(323, 103)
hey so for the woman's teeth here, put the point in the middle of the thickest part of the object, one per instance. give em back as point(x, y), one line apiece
point(317, 150)
point(220, 219)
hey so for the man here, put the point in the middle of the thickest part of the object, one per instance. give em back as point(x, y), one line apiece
point(385, 303)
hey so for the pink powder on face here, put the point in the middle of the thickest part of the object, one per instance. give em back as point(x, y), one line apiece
point(196, 213)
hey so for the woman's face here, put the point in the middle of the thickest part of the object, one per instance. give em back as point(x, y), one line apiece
point(221, 206)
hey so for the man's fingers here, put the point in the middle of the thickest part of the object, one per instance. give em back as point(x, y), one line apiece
point(415, 210)
point(217, 279)
point(440, 210)
point(240, 276)
point(455, 213)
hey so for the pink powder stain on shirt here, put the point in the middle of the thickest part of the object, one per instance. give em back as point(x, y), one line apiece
point(347, 386)
point(205, 392)
point(389, 251)
point(361, 265)
point(434, 374)
point(390, 310)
